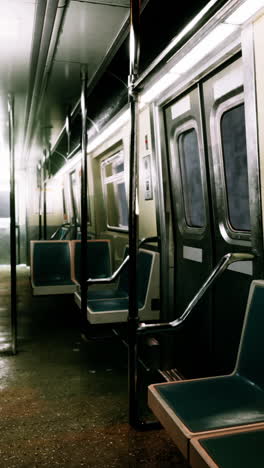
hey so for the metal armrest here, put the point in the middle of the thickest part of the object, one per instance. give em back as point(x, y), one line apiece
point(112, 278)
point(221, 266)
point(148, 239)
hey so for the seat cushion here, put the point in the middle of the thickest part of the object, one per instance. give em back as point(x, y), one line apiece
point(102, 294)
point(215, 403)
point(53, 282)
point(242, 450)
point(106, 305)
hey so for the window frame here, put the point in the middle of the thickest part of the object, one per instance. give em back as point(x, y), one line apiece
point(114, 179)
point(227, 230)
point(186, 200)
point(186, 229)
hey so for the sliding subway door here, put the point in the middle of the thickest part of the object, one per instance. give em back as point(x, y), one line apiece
point(192, 227)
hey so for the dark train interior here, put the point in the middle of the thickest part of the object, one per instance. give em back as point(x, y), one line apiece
point(131, 233)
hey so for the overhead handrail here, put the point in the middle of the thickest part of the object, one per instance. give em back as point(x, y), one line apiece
point(112, 278)
point(221, 266)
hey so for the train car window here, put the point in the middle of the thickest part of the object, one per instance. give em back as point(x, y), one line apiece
point(233, 134)
point(74, 196)
point(114, 189)
point(191, 178)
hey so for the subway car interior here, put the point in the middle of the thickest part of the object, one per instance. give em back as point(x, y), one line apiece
point(131, 233)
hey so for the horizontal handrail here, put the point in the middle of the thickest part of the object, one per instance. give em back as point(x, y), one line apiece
point(221, 266)
point(112, 278)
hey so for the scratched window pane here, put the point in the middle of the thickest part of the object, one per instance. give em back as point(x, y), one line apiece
point(114, 190)
point(236, 171)
point(191, 179)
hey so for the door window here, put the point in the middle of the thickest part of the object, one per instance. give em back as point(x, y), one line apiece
point(233, 135)
point(191, 178)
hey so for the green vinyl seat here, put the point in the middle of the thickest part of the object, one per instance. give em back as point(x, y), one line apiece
point(98, 259)
point(198, 407)
point(112, 306)
point(119, 290)
point(51, 268)
point(233, 450)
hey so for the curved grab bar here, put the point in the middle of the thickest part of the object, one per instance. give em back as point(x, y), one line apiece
point(68, 225)
point(148, 239)
point(112, 278)
point(221, 266)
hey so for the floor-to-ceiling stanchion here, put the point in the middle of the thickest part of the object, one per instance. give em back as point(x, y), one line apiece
point(44, 169)
point(133, 215)
point(12, 225)
point(39, 177)
point(84, 195)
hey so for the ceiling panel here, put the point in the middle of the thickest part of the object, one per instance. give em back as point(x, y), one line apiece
point(88, 32)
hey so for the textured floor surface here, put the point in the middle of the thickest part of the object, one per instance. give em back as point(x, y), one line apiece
point(63, 401)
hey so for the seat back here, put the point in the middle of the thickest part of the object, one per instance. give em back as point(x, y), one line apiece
point(98, 259)
point(251, 350)
point(145, 259)
point(50, 261)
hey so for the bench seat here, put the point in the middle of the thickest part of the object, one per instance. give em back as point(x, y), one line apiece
point(103, 294)
point(192, 408)
point(111, 305)
point(214, 405)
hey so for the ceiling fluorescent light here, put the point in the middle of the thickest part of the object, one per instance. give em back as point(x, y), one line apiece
point(205, 46)
point(123, 118)
point(245, 11)
point(158, 87)
point(192, 23)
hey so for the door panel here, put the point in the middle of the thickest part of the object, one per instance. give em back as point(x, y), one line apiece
point(228, 163)
point(192, 226)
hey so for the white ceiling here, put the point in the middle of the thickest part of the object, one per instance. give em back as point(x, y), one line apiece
point(40, 55)
point(88, 32)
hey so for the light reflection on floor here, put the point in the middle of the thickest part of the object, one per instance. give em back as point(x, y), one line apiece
point(5, 310)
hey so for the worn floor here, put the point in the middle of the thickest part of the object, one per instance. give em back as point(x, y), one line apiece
point(63, 401)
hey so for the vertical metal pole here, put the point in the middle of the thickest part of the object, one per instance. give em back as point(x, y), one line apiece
point(68, 130)
point(12, 225)
point(84, 193)
point(44, 197)
point(133, 216)
point(39, 169)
